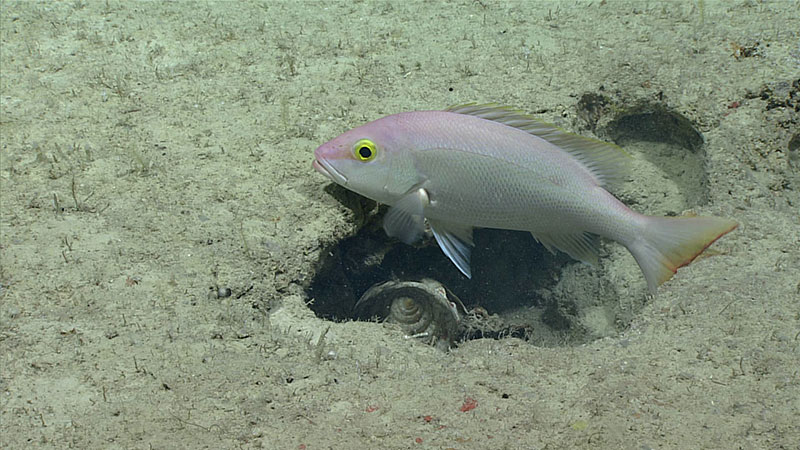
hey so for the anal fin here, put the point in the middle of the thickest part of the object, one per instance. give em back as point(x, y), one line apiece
point(581, 245)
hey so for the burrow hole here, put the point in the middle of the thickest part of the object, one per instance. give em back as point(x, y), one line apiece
point(529, 293)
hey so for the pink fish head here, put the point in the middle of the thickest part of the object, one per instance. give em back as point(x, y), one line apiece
point(374, 160)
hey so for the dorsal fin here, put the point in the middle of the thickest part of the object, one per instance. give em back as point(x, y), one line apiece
point(606, 162)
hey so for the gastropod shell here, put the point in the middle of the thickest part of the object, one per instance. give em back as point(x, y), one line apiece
point(424, 309)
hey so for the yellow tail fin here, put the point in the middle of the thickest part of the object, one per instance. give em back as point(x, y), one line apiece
point(668, 243)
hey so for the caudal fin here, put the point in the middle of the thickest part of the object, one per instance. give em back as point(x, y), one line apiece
point(667, 243)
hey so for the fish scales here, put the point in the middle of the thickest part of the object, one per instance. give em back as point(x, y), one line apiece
point(489, 177)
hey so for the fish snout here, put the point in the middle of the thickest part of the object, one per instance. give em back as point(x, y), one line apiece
point(322, 164)
point(318, 167)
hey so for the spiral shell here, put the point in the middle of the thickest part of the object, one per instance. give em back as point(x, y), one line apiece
point(423, 309)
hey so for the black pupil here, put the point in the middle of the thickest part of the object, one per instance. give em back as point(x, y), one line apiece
point(365, 152)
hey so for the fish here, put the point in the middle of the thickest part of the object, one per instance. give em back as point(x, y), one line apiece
point(490, 166)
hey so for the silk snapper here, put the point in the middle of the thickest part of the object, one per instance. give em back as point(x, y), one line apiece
point(493, 167)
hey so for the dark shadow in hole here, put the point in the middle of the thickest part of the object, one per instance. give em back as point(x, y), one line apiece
point(794, 144)
point(682, 158)
point(508, 268)
point(655, 123)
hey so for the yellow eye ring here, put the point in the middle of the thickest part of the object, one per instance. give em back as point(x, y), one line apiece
point(365, 150)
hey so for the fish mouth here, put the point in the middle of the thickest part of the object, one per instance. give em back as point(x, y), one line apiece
point(324, 167)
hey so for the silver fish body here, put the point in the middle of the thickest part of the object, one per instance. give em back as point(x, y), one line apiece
point(491, 167)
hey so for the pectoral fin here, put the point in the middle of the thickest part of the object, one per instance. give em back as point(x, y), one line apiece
point(406, 219)
point(456, 242)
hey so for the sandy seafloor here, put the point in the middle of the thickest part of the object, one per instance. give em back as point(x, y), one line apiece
point(156, 155)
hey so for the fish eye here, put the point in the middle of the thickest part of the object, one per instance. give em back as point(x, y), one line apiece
point(365, 150)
